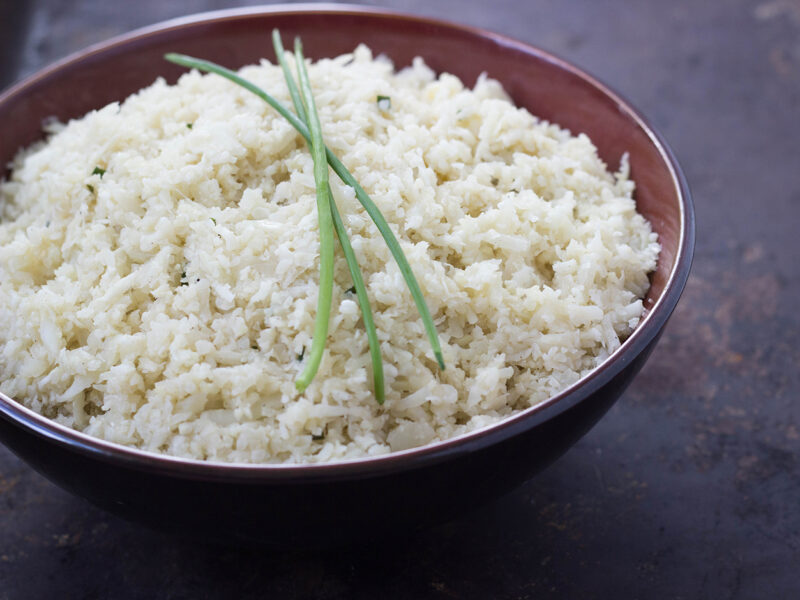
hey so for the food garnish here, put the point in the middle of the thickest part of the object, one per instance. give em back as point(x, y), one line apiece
point(384, 103)
point(307, 124)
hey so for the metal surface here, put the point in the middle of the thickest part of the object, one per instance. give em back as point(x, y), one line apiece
point(689, 488)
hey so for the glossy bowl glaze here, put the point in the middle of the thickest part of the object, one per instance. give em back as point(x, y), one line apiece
point(339, 502)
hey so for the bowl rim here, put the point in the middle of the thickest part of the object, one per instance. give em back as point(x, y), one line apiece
point(646, 331)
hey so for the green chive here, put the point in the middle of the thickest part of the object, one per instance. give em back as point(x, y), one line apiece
point(384, 103)
point(366, 313)
point(352, 263)
point(345, 176)
point(325, 227)
point(277, 44)
point(99, 171)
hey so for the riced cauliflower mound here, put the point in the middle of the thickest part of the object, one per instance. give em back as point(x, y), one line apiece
point(165, 299)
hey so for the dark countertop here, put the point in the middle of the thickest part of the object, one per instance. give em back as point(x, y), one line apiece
point(688, 488)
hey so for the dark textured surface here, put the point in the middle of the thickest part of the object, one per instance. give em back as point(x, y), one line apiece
point(689, 488)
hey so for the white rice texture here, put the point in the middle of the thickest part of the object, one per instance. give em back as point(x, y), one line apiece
point(167, 303)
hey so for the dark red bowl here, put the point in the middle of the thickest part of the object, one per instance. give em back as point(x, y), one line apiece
point(312, 504)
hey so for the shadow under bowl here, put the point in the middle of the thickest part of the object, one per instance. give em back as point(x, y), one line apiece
point(323, 504)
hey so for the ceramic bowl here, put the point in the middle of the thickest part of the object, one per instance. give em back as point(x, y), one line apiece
point(339, 502)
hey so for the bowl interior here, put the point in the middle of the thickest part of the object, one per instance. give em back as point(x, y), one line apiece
point(545, 85)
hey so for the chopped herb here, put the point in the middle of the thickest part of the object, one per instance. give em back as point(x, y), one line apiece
point(254, 346)
point(189, 125)
point(351, 290)
point(384, 103)
point(99, 171)
point(90, 187)
point(213, 220)
point(302, 354)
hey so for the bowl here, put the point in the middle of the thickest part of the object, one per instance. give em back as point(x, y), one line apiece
point(314, 504)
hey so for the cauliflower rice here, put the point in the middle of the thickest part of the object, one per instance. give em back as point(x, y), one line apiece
point(165, 299)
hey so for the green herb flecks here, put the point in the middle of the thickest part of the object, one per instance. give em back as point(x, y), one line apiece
point(99, 171)
point(384, 103)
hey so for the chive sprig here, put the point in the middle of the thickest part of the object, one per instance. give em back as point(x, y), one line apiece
point(325, 225)
point(344, 241)
point(307, 123)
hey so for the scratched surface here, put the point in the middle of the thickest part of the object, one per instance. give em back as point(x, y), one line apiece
point(689, 488)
